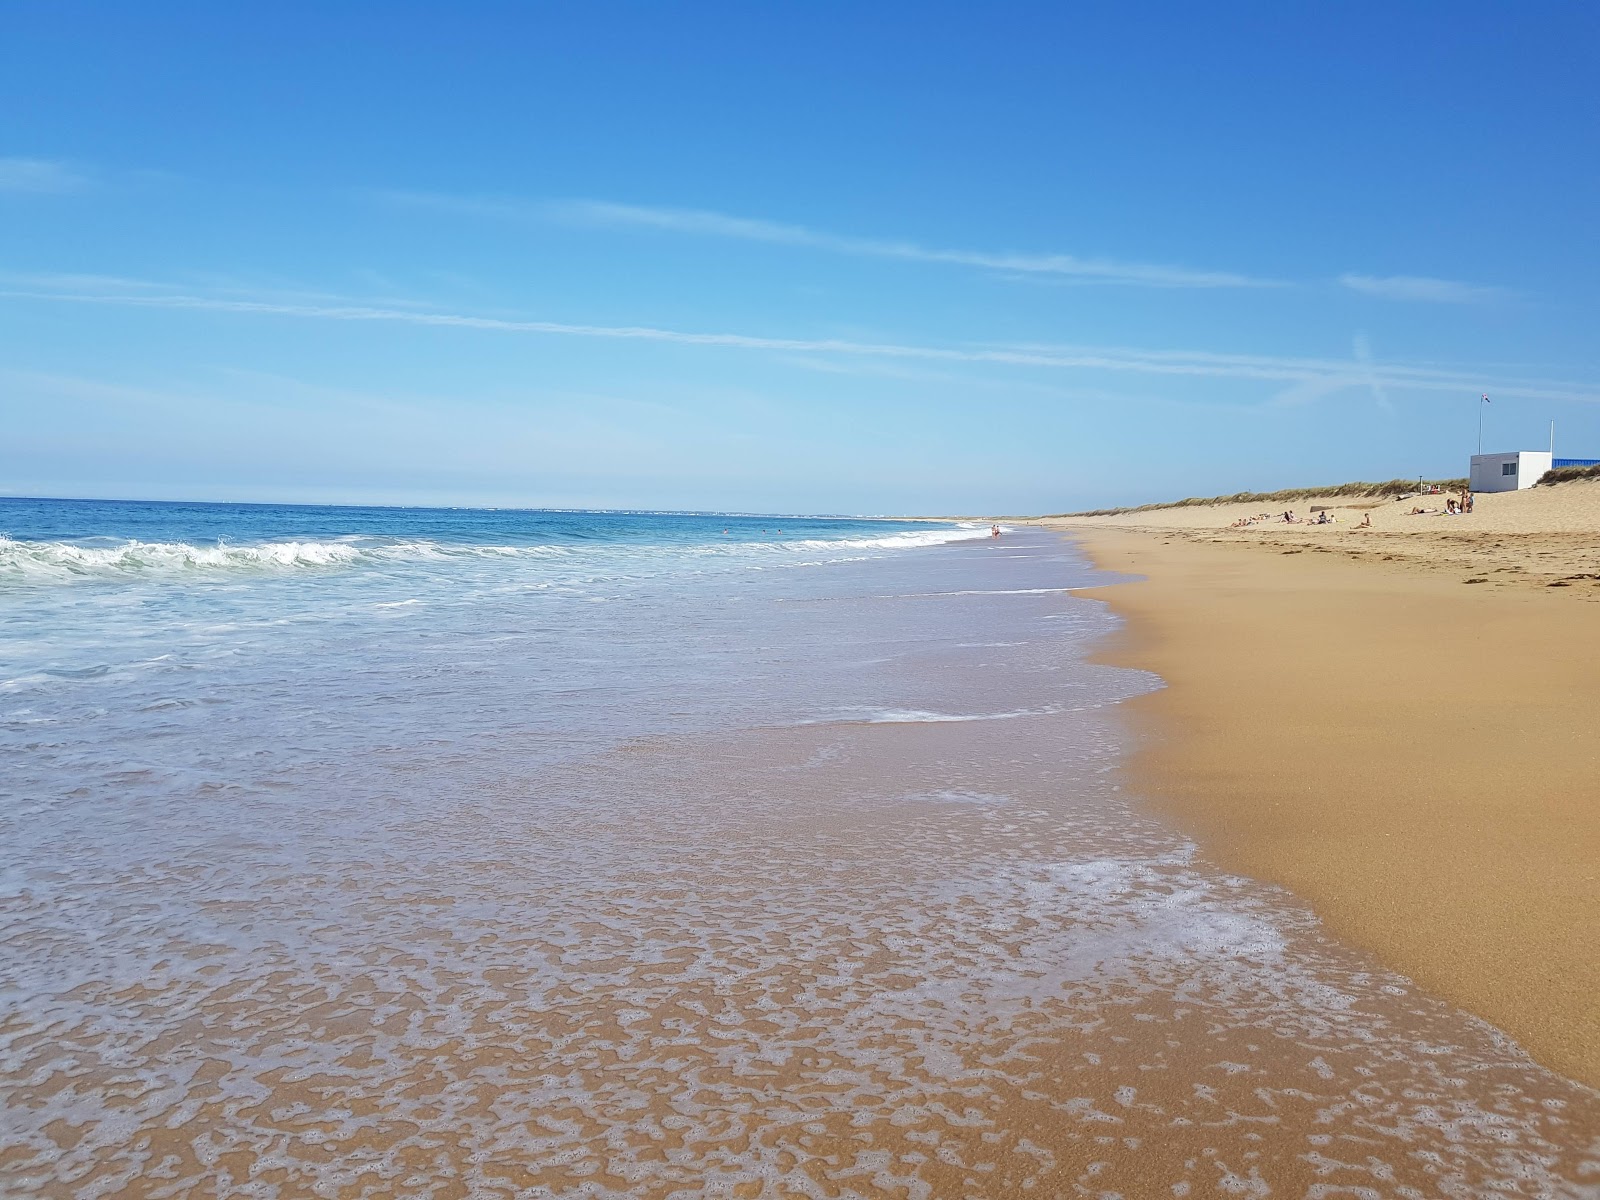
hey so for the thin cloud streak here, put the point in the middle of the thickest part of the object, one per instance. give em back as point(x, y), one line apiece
point(701, 223)
point(749, 229)
point(40, 176)
point(1254, 366)
point(64, 281)
point(1016, 266)
point(1425, 290)
point(1361, 350)
point(1200, 364)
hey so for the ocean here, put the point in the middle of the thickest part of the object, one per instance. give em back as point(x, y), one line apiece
point(380, 852)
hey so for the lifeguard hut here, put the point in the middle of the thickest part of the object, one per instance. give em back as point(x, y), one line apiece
point(1515, 469)
point(1508, 471)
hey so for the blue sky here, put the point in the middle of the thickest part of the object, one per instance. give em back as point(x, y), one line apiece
point(819, 257)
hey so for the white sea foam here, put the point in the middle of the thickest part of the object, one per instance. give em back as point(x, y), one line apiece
point(64, 560)
point(1050, 591)
point(918, 716)
point(23, 561)
point(965, 531)
point(959, 796)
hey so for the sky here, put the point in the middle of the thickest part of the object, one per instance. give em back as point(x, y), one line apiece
point(818, 257)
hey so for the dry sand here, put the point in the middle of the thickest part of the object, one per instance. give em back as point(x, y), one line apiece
point(1539, 536)
point(1418, 758)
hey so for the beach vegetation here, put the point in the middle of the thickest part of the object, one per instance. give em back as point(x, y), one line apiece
point(1388, 490)
point(1568, 474)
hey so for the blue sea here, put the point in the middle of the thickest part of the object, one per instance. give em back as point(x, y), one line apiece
point(382, 852)
point(159, 621)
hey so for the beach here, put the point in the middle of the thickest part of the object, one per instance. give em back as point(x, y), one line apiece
point(1530, 538)
point(1396, 723)
point(372, 853)
point(542, 656)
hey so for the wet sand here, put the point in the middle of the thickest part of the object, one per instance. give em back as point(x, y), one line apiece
point(899, 931)
point(1417, 758)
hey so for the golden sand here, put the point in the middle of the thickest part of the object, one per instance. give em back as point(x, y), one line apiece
point(1540, 536)
point(1418, 758)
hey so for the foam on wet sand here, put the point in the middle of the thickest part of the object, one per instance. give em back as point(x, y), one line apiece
point(800, 952)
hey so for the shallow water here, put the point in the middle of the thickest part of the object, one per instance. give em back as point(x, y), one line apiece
point(645, 863)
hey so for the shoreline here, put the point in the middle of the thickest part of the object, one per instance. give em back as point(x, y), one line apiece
point(1415, 759)
point(802, 881)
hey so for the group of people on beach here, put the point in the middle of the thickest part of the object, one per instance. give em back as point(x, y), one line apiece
point(1287, 517)
point(1453, 507)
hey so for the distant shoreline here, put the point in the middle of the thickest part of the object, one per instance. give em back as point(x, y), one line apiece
point(342, 505)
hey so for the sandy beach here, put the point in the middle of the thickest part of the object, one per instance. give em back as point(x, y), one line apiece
point(1397, 723)
point(1538, 537)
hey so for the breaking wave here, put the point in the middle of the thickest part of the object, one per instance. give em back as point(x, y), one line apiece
point(42, 562)
point(966, 531)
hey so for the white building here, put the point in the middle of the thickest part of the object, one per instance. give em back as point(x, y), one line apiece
point(1510, 471)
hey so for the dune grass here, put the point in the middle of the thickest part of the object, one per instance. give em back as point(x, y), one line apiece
point(1358, 490)
point(1567, 475)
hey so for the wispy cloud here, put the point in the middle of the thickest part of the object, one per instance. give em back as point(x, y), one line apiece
point(1424, 289)
point(1321, 376)
point(701, 223)
point(606, 214)
point(68, 281)
point(215, 287)
point(1361, 351)
point(41, 176)
point(1360, 370)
